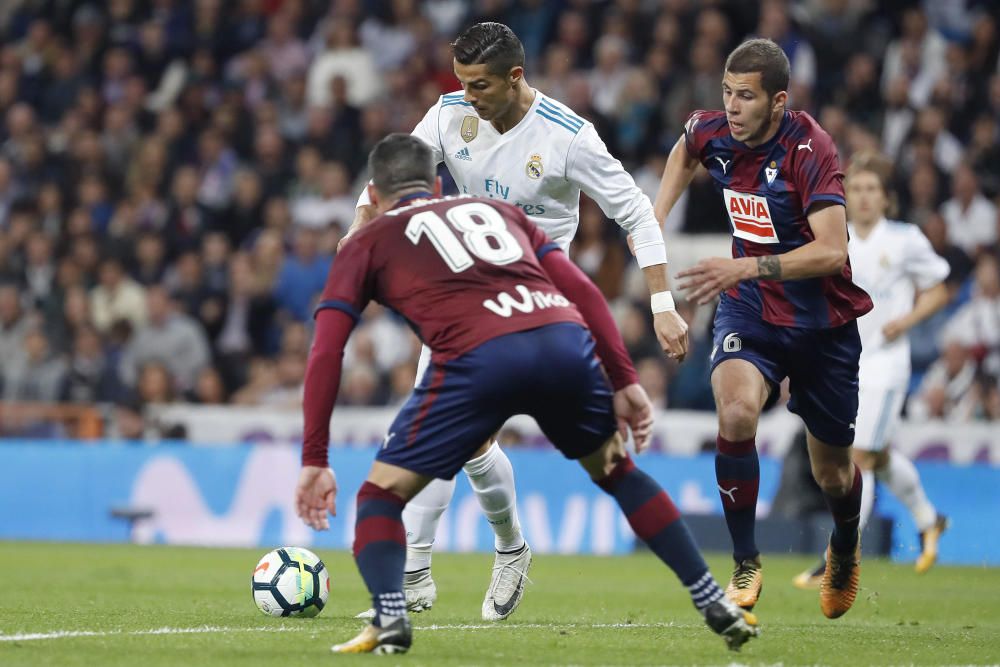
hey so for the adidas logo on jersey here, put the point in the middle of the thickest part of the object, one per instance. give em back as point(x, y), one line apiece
point(464, 154)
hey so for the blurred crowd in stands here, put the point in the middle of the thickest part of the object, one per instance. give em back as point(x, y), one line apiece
point(175, 174)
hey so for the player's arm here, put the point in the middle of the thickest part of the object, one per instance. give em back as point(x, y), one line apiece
point(928, 271)
point(337, 313)
point(578, 288)
point(677, 175)
point(825, 255)
point(632, 407)
point(595, 171)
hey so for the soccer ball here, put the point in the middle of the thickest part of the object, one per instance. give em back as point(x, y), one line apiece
point(290, 581)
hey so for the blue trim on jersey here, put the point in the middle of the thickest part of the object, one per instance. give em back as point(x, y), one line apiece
point(342, 306)
point(546, 249)
point(551, 108)
point(834, 198)
point(455, 103)
point(558, 121)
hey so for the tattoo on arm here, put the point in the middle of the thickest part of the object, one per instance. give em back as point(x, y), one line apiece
point(769, 267)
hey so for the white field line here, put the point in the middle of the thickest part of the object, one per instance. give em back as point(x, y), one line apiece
point(213, 629)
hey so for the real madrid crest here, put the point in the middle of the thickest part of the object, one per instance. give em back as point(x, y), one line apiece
point(771, 171)
point(470, 128)
point(534, 166)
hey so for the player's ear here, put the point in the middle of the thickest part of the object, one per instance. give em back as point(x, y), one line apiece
point(437, 187)
point(373, 194)
point(780, 101)
point(515, 74)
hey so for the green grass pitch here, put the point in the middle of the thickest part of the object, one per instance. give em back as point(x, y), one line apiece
point(148, 606)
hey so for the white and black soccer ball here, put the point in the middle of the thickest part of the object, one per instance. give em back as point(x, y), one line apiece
point(290, 581)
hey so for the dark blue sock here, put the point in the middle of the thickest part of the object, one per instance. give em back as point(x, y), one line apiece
point(655, 520)
point(846, 512)
point(737, 471)
point(380, 550)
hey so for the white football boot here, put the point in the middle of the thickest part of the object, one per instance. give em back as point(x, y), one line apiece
point(420, 591)
point(510, 570)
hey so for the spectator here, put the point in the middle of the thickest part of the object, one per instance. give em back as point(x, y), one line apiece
point(209, 389)
point(34, 374)
point(302, 276)
point(976, 325)
point(90, 379)
point(344, 58)
point(14, 325)
point(116, 297)
point(171, 338)
point(155, 385)
point(946, 391)
point(971, 217)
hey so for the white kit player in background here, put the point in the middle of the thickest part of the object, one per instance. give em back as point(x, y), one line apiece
point(504, 140)
point(894, 263)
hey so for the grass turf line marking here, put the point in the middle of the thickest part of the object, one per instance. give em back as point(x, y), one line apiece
point(200, 630)
point(212, 629)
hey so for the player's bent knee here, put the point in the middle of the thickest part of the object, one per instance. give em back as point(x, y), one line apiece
point(869, 460)
point(399, 481)
point(835, 480)
point(601, 463)
point(738, 418)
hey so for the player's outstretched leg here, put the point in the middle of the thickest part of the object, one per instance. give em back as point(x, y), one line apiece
point(492, 479)
point(380, 553)
point(842, 575)
point(655, 519)
point(737, 471)
point(901, 478)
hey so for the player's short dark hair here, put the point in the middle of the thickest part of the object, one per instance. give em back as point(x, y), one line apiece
point(400, 162)
point(764, 56)
point(489, 43)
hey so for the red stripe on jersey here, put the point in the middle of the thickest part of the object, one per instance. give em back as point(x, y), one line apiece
point(432, 393)
point(755, 223)
point(751, 228)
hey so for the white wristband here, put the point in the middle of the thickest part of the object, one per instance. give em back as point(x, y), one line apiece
point(661, 302)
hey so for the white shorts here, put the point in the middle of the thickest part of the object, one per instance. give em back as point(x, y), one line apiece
point(879, 408)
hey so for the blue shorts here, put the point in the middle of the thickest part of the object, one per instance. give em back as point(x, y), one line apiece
point(550, 373)
point(821, 366)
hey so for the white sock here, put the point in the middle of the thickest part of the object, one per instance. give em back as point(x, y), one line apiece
point(903, 480)
point(867, 497)
point(420, 518)
point(492, 479)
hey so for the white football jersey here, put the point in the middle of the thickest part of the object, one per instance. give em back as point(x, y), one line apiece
point(891, 264)
point(541, 165)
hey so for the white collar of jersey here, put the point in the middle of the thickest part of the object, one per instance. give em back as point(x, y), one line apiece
point(853, 229)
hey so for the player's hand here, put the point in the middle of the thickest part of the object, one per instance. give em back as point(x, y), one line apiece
point(315, 495)
point(634, 411)
point(362, 216)
point(893, 330)
point(672, 332)
point(712, 276)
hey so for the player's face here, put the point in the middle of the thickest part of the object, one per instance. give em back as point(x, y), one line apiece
point(751, 112)
point(491, 95)
point(866, 200)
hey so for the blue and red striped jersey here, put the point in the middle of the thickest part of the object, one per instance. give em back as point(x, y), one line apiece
point(768, 191)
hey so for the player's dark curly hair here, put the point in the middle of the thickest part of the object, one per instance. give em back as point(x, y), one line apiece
point(401, 162)
point(764, 56)
point(492, 44)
